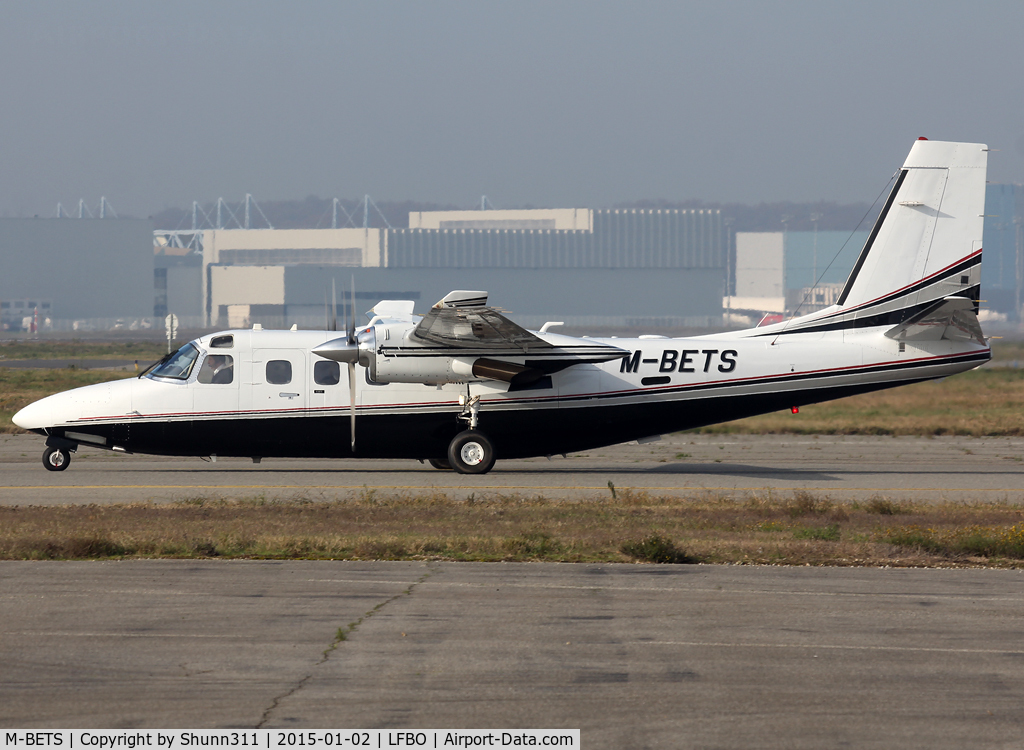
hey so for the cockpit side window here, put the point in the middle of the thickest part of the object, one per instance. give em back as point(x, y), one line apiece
point(217, 369)
point(179, 365)
point(222, 342)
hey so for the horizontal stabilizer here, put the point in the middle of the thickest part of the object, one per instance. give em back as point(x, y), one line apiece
point(951, 318)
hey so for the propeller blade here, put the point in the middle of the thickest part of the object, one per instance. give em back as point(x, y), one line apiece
point(348, 313)
point(352, 321)
point(334, 307)
point(352, 401)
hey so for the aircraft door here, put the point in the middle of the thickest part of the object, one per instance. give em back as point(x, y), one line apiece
point(279, 383)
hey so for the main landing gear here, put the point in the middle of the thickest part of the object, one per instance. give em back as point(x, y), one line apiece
point(56, 459)
point(470, 452)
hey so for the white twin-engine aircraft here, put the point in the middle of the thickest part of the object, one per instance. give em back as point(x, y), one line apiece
point(463, 384)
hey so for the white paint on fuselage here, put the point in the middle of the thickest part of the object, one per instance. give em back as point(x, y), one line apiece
point(707, 362)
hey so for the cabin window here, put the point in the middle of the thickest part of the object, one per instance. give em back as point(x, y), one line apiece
point(222, 342)
point(218, 369)
point(279, 372)
point(179, 364)
point(326, 373)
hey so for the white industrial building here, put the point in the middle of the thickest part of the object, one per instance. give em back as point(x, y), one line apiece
point(246, 267)
point(536, 258)
point(791, 272)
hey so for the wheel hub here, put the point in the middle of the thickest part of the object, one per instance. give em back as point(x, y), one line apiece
point(472, 453)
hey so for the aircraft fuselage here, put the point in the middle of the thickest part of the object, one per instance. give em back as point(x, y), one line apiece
point(664, 385)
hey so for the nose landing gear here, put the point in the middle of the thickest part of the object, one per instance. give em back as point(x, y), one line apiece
point(56, 459)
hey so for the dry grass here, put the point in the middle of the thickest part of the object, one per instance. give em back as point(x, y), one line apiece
point(797, 529)
point(985, 402)
point(1007, 353)
point(148, 351)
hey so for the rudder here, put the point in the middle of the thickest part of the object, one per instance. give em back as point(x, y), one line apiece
point(926, 243)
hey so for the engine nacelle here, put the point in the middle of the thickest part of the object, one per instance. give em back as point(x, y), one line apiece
point(399, 352)
point(412, 361)
point(430, 369)
point(440, 369)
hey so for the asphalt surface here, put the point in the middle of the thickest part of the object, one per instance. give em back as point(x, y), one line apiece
point(844, 468)
point(635, 656)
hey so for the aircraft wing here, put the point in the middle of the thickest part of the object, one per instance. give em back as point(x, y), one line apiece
point(951, 318)
point(466, 328)
point(476, 328)
point(463, 320)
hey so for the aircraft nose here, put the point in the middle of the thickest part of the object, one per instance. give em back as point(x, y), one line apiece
point(35, 416)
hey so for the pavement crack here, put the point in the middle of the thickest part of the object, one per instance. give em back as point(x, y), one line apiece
point(188, 672)
point(340, 636)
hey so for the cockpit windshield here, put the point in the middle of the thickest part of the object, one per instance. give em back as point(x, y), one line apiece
point(178, 365)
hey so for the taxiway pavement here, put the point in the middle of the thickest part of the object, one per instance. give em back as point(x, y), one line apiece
point(844, 468)
point(636, 656)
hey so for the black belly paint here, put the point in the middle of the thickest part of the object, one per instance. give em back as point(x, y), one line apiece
point(519, 433)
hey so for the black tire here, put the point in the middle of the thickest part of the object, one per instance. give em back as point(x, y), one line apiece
point(440, 464)
point(470, 452)
point(56, 459)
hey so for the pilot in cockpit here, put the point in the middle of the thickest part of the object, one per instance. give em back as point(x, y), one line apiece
point(217, 369)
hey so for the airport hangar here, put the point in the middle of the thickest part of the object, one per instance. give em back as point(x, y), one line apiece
point(592, 268)
point(619, 268)
point(542, 264)
point(587, 268)
point(635, 268)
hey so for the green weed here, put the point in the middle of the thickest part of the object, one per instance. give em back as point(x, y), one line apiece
point(822, 533)
point(655, 549)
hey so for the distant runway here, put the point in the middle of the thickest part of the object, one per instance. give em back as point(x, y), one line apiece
point(636, 656)
point(845, 468)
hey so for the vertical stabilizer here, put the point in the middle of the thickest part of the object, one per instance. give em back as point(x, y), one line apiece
point(926, 243)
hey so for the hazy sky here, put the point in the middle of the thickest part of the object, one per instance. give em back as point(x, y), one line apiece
point(545, 103)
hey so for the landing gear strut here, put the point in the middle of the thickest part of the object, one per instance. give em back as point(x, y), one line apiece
point(470, 409)
point(56, 459)
point(470, 452)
